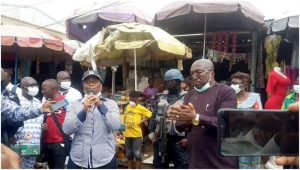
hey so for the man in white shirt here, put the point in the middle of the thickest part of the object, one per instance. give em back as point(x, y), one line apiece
point(64, 80)
point(70, 93)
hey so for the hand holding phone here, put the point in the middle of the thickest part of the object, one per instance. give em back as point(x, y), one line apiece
point(59, 105)
point(47, 106)
point(258, 132)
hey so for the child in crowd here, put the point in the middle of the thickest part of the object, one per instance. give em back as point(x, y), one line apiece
point(135, 116)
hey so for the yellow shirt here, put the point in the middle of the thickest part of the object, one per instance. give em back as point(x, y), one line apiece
point(132, 120)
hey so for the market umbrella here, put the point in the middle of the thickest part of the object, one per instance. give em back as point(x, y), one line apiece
point(133, 42)
point(30, 43)
point(86, 25)
point(188, 17)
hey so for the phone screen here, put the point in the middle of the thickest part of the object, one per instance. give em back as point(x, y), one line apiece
point(59, 105)
point(258, 132)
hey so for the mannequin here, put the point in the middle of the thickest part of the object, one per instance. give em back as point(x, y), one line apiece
point(278, 70)
point(277, 88)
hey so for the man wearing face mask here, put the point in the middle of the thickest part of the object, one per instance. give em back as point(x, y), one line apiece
point(12, 112)
point(175, 145)
point(65, 88)
point(28, 138)
point(198, 116)
point(92, 121)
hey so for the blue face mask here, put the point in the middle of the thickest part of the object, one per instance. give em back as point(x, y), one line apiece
point(205, 87)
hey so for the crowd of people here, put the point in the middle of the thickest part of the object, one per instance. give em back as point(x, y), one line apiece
point(181, 120)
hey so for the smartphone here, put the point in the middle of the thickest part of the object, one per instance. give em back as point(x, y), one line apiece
point(258, 132)
point(59, 105)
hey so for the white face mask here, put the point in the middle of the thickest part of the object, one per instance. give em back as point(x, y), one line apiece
point(236, 88)
point(65, 85)
point(296, 88)
point(33, 91)
point(205, 87)
point(133, 104)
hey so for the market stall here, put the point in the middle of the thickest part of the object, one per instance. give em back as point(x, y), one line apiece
point(282, 46)
point(223, 26)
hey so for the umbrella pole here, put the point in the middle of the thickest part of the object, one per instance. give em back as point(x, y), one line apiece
point(204, 36)
point(16, 65)
point(113, 81)
point(135, 73)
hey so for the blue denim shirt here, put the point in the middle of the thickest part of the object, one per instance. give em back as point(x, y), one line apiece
point(11, 111)
point(93, 144)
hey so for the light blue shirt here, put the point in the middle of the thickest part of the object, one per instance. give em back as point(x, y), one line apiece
point(93, 144)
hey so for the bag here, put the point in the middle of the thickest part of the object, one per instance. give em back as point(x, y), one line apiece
point(67, 138)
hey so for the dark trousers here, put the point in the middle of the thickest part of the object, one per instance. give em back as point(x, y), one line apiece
point(55, 154)
point(175, 153)
point(111, 165)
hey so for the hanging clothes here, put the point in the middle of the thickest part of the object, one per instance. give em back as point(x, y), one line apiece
point(285, 51)
point(295, 54)
point(271, 45)
point(292, 73)
point(26, 68)
point(259, 76)
point(222, 70)
point(277, 88)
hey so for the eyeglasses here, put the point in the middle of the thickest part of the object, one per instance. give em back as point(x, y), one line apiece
point(199, 72)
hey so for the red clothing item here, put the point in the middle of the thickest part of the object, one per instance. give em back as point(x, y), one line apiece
point(53, 135)
point(277, 88)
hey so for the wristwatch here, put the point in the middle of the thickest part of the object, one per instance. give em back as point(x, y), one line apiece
point(196, 121)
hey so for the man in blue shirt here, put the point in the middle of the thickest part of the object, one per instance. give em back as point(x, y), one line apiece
point(92, 121)
point(12, 112)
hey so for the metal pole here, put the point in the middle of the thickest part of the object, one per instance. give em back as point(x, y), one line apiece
point(209, 33)
point(16, 65)
point(204, 37)
point(113, 81)
point(135, 73)
point(124, 73)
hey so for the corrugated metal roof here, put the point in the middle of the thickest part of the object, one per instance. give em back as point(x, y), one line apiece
point(32, 15)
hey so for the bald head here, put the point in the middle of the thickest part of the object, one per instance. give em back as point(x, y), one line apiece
point(51, 83)
point(50, 88)
point(202, 72)
point(28, 81)
point(203, 64)
point(63, 76)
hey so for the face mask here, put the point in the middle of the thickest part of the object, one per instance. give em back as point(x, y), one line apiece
point(296, 88)
point(236, 88)
point(133, 104)
point(33, 91)
point(65, 85)
point(173, 88)
point(205, 87)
